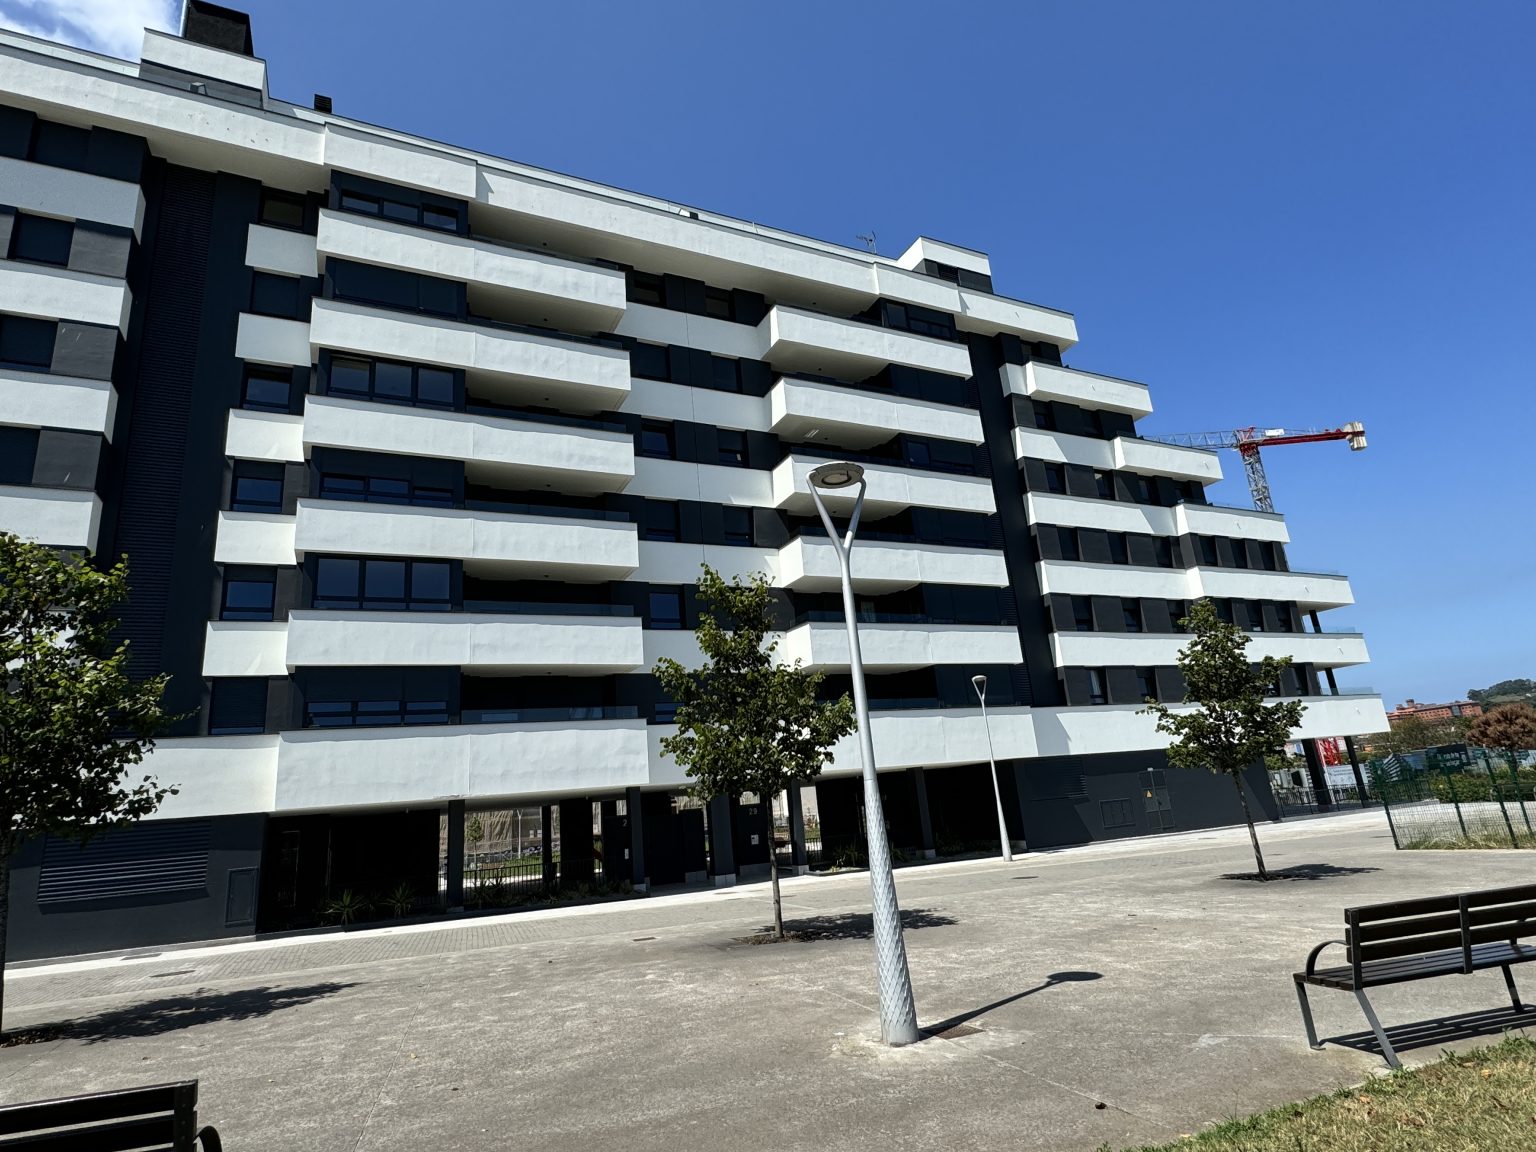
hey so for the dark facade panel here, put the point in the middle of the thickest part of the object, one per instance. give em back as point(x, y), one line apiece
point(84, 350)
point(100, 249)
point(67, 459)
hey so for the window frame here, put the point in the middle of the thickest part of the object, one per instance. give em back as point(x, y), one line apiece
point(49, 230)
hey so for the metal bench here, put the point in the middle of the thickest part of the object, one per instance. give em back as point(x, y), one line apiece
point(160, 1118)
point(1421, 939)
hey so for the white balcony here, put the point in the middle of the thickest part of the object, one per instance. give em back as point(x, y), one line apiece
point(54, 516)
point(59, 294)
point(272, 340)
point(1075, 578)
point(503, 364)
point(1085, 389)
point(503, 279)
point(850, 418)
point(1150, 458)
point(246, 648)
point(261, 538)
point(1313, 591)
point(77, 195)
point(1062, 448)
point(1089, 512)
point(38, 400)
point(215, 775)
point(358, 767)
point(492, 643)
point(273, 436)
point(515, 453)
point(897, 647)
point(891, 489)
point(809, 564)
point(1238, 523)
point(496, 544)
point(1149, 649)
point(800, 341)
point(280, 250)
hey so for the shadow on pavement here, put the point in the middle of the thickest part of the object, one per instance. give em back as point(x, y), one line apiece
point(1441, 1030)
point(1302, 872)
point(172, 1013)
point(953, 1023)
point(847, 926)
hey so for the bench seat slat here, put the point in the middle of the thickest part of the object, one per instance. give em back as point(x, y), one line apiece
point(90, 1108)
point(139, 1134)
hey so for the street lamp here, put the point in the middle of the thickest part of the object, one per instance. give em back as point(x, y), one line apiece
point(980, 683)
point(898, 1013)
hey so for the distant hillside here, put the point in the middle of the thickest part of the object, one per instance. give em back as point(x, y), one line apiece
point(1505, 692)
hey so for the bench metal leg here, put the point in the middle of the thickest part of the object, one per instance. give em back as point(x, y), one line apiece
point(1306, 1016)
point(1381, 1035)
point(1514, 993)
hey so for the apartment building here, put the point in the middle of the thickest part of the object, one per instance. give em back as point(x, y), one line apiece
point(416, 453)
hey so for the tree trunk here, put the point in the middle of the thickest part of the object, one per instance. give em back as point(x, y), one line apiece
point(773, 875)
point(1242, 797)
point(5, 916)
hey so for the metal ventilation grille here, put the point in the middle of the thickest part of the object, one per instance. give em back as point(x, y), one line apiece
point(148, 859)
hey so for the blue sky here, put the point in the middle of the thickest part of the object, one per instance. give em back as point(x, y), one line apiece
point(1285, 214)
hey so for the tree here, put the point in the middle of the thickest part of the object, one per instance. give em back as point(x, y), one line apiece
point(1231, 726)
point(1509, 730)
point(72, 722)
point(1504, 692)
point(1414, 733)
point(745, 721)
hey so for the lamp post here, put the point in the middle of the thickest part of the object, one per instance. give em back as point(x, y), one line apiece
point(898, 1013)
point(980, 683)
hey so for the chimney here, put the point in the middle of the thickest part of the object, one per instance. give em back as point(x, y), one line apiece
point(217, 27)
point(322, 103)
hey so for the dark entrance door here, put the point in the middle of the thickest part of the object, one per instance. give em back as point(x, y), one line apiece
point(752, 841)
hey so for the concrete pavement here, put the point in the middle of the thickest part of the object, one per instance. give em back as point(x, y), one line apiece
point(1119, 993)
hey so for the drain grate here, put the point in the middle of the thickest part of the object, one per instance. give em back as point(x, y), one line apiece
point(955, 1032)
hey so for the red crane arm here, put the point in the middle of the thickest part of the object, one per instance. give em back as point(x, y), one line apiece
point(1301, 438)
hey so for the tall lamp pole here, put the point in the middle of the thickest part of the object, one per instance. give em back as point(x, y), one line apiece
point(980, 684)
point(898, 1012)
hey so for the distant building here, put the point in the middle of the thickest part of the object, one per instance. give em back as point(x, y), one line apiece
point(1413, 708)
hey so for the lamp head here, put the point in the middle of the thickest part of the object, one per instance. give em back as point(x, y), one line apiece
point(839, 475)
point(980, 682)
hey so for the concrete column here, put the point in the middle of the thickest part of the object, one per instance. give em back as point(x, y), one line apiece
point(455, 856)
point(637, 876)
point(548, 813)
point(722, 851)
point(798, 863)
point(613, 853)
point(1318, 777)
point(924, 821)
point(1354, 764)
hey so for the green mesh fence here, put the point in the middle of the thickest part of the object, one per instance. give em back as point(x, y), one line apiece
point(1450, 805)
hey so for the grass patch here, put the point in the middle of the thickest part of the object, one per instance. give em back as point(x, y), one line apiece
point(1475, 840)
point(1478, 1100)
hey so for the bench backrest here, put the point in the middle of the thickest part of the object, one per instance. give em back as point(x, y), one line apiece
point(1498, 915)
point(160, 1117)
point(1402, 929)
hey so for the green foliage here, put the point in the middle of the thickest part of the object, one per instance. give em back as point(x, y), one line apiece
point(1505, 692)
point(401, 899)
point(747, 723)
point(474, 829)
point(1231, 726)
point(349, 907)
point(1508, 729)
point(72, 722)
point(1414, 733)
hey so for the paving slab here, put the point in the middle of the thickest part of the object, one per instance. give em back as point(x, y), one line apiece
point(1118, 993)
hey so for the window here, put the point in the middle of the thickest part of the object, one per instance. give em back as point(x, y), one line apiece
point(1142, 487)
point(665, 712)
point(1208, 553)
point(41, 239)
point(732, 447)
point(393, 288)
point(1096, 693)
point(275, 295)
point(373, 713)
point(1146, 684)
point(1223, 610)
point(1044, 417)
point(248, 595)
point(282, 209)
point(383, 490)
point(1104, 485)
point(660, 521)
point(26, 342)
point(666, 608)
point(919, 453)
point(1119, 552)
point(1162, 548)
point(656, 440)
point(725, 374)
point(649, 362)
point(237, 707)
point(1055, 478)
point(256, 487)
point(1255, 616)
point(440, 217)
point(1082, 613)
point(1240, 553)
point(645, 288)
point(1096, 422)
point(738, 525)
point(1130, 611)
point(382, 585)
point(265, 389)
point(1069, 546)
point(1269, 555)
point(717, 303)
point(391, 382)
point(1177, 610)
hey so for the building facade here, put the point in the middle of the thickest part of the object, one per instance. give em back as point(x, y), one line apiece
point(416, 453)
point(1455, 708)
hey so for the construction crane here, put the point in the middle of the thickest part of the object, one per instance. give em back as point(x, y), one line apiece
point(1248, 441)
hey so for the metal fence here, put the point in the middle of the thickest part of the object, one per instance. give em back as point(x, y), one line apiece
point(1462, 806)
point(1293, 800)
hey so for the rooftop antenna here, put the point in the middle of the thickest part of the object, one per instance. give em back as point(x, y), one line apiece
point(869, 241)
